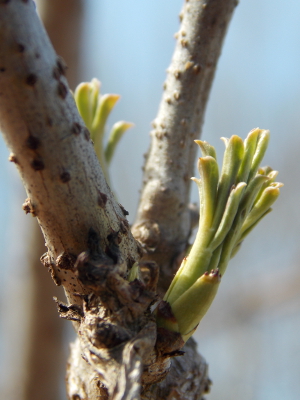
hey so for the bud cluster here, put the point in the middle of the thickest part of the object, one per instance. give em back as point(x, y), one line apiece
point(94, 109)
point(231, 205)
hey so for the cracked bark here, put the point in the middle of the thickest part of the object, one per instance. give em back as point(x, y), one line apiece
point(90, 247)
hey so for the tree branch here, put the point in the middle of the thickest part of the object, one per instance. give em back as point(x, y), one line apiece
point(163, 222)
point(75, 208)
point(66, 189)
point(90, 247)
point(68, 16)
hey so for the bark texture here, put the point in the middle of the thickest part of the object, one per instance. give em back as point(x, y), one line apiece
point(119, 352)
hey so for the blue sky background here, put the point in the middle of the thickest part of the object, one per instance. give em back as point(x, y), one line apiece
point(128, 46)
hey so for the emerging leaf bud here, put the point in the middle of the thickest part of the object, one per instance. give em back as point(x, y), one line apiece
point(94, 109)
point(230, 206)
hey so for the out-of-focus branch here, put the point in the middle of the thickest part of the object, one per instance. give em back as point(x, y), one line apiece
point(46, 355)
point(163, 222)
point(63, 23)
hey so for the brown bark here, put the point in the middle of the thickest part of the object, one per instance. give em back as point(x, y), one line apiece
point(63, 23)
point(90, 248)
point(45, 359)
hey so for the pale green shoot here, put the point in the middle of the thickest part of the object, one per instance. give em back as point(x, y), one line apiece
point(230, 207)
point(94, 109)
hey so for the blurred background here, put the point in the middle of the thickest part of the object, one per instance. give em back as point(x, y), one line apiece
point(250, 337)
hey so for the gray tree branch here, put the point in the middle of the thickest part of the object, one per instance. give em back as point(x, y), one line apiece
point(51, 148)
point(163, 222)
point(66, 188)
